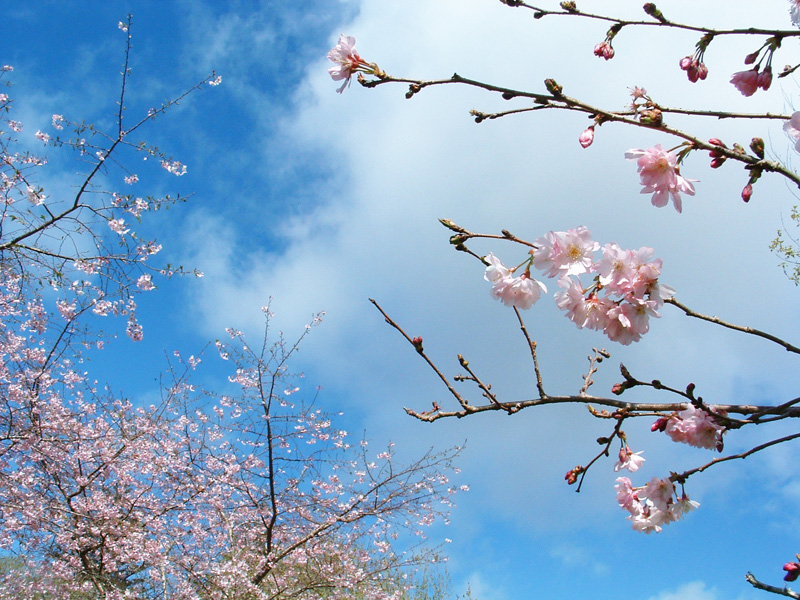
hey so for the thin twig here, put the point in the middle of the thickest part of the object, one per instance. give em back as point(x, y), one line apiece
point(750, 330)
point(784, 591)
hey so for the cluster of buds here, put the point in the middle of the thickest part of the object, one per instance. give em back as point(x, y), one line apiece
point(694, 66)
point(717, 158)
point(696, 70)
point(748, 82)
point(604, 49)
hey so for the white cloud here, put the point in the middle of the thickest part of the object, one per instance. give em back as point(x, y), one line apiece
point(695, 590)
point(401, 163)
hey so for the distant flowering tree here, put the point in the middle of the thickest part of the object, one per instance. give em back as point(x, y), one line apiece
point(239, 492)
point(616, 290)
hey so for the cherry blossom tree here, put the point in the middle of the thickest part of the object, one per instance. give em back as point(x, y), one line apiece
point(241, 491)
point(604, 287)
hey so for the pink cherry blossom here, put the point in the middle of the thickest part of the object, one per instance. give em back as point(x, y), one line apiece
point(660, 175)
point(794, 12)
point(347, 61)
point(792, 129)
point(565, 253)
point(629, 460)
point(746, 82)
point(696, 427)
point(521, 292)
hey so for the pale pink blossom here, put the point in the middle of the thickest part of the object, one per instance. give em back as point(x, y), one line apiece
point(521, 292)
point(629, 460)
point(134, 330)
point(35, 195)
point(42, 137)
point(175, 167)
point(118, 226)
point(747, 82)
point(564, 253)
point(792, 129)
point(145, 282)
point(626, 495)
point(58, 121)
point(347, 60)
point(131, 179)
point(696, 427)
point(590, 312)
point(660, 175)
point(794, 12)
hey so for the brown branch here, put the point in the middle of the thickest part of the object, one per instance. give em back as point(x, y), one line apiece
point(532, 346)
point(750, 330)
point(686, 474)
point(664, 22)
point(784, 591)
point(464, 404)
point(557, 100)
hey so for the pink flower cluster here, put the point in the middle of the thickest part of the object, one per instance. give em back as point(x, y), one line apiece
point(624, 295)
point(693, 426)
point(748, 82)
point(654, 505)
point(660, 175)
point(695, 68)
point(522, 291)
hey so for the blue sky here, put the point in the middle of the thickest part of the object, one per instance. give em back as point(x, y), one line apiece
point(321, 200)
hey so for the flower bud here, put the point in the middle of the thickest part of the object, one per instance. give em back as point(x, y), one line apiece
point(751, 58)
point(765, 78)
point(686, 62)
point(651, 117)
point(792, 571)
point(553, 87)
point(604, 50)
point(747, 192)
point(587, 137)
point(716, 142)
point(651, 9)
point(417, 341)
point(717, 162)
point(757, 146)
point(660, 424)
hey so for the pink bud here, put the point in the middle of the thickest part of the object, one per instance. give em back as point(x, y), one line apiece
point(765, 78)
point(702, 71)
point(587, 137)
point(686, 62)
point(716, 163)
point(716, 142)
point(792, 571)
point(750, 58)
point(604, 50)
point(660, 424)
point(747, 192)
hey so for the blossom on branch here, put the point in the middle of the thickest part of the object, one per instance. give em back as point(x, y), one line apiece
point(521, 292)
point(696, 427)
point(347, 61)
point(747, 82)
point(660, 175)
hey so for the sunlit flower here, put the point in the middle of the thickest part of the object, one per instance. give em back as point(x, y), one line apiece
point(660, 175)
